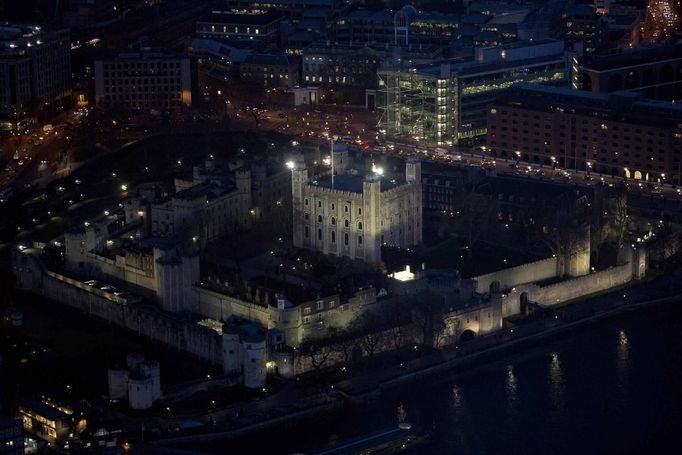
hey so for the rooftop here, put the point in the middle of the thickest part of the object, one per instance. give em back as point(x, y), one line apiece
point(208, 190)
point(224, 17)
point(278, 58)
point(43, 410)
point(638, 55)
point(623, 105)
point(523, 53)
point(353, 183)
point(15, 38)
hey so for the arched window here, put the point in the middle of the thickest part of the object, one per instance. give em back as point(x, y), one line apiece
point(360, 225)
point(319, 234)
point(333, 237)
point(319, 218)
point(346, 223)
point(333, 221)
point(359, 240)
point(345, 239)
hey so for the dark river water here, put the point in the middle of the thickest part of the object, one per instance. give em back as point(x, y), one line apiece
point(612, 388)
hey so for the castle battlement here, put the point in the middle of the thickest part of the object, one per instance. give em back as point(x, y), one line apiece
point(381, 211)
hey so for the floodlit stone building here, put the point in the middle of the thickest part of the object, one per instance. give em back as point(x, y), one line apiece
point(346, 214)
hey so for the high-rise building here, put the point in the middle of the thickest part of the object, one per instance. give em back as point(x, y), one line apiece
point(585, 28)
point(145, 81)
point(35, 74)
point(346, 214)
point(404, 27)
point(446, 102)
point(242, 27)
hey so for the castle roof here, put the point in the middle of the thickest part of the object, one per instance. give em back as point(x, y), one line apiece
point(353, 183)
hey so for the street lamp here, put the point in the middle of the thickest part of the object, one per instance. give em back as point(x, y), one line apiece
point(589, 167)
point(290, 164)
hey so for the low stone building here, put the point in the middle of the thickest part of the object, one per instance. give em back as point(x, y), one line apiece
point(139, 382)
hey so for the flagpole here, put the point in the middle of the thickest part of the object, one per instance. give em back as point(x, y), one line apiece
point(331, 157)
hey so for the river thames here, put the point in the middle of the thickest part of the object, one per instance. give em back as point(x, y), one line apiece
point(611, 388)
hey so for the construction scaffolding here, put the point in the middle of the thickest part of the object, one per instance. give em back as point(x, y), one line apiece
point(417, 106)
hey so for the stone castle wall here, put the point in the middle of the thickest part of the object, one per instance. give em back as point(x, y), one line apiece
point(574, 288)
point(145, 320)
point(526, 273)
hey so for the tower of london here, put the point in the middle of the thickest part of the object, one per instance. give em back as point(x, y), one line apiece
point(344, 213)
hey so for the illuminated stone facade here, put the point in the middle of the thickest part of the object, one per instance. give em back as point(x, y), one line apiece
point(352, 215)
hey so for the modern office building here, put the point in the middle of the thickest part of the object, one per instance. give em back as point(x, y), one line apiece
point(620, 134)
point(447, 102)
point(145, 81)
point(292, 8)
point(356, 65)
point(655, 70)
point(273, 69)
point(404, 27)
point(347, 214)
point(262, 27)
point(585, 28)
point(35, 74)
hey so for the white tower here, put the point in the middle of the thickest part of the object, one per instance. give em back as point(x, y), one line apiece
point(299, 178)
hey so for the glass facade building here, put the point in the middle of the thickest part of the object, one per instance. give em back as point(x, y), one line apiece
point(446, 102)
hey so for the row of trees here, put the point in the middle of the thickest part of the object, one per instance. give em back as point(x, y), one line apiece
point(556, 225)
point(391, 326)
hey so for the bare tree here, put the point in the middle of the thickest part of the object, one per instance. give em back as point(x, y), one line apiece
point(476, 209)
point(428, 311)
point(342, 342)
point(562, 227)
point(369, 328)
point(620, 217)
point(318, 354)
point(397, 320)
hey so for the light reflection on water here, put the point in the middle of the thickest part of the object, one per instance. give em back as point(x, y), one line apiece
point(510, 385)
point(557, 385)
point(623, 364)
point(614, 388)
